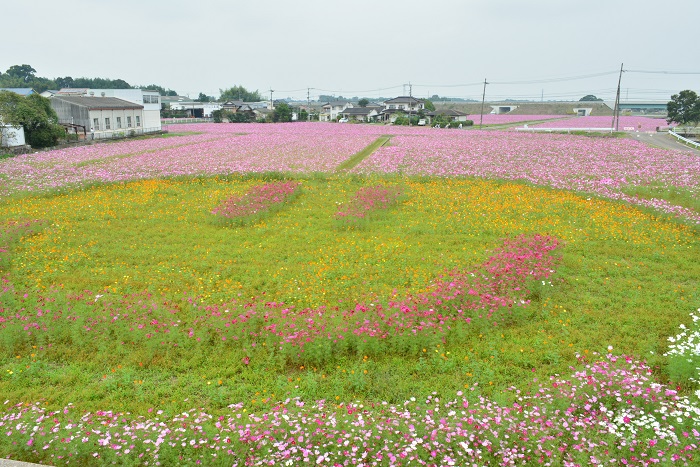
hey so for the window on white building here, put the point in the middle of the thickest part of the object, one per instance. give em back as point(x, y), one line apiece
point(119, 122)
point(107, 126)
point(138, 121)
point(128, 122)
point(96, 124)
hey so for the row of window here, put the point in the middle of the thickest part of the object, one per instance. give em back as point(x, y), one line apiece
point(150, 99)
point(108, 123)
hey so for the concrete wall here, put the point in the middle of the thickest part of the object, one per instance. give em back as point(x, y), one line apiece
point(71, 113)
point(101, 115)
point(12, 136)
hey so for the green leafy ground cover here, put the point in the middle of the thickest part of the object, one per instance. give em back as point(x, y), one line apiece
point(626, 279)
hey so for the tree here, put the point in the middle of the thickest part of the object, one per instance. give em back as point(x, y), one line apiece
point(282, 113)
point(24, 72)
point(66, 82)
point(364, 102)
point(239, 93)
point(202, 97)
point(590, 98)
point(429, 106)
point(684, 108)
point(33, 113)
point(161, 90)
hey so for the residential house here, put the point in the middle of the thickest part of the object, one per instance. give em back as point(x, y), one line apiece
point(398, 105)
point(331, 110)
point(448, 114)
point(102, 116)
point(360, 114)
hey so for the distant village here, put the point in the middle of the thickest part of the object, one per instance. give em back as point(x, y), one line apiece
point(87, 113)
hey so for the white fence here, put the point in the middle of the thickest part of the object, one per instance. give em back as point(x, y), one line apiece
point(168, 121)
point(567, 130)
point(685, 140)
point(123, 133)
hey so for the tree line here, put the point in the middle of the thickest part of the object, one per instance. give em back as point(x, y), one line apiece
point(24, 76)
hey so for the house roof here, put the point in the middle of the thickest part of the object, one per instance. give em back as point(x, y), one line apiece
point(73, 91)
point(20, 91)
point(447, 113)
point(98, 103)
point(336, 103)
point(403, 100)
point(357, 111)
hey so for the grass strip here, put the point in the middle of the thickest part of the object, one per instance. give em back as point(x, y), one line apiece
point(358, 157)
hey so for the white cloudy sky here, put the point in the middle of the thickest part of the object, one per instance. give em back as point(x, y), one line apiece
point(363, 47)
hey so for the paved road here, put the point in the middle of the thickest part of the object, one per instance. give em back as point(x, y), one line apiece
point(663, 141)
point(9, 463)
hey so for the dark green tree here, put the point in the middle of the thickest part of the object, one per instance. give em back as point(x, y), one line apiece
point(24, 72)
point(35, 115)
point(239, 93)
point(161, 90)
point(364, 102)
point(590, 98)
point(684, 108)
point(429, 106)
point(66, 82)
point(282, 113)
point(202, 97)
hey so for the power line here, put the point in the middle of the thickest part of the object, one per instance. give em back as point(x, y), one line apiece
point(662, 72)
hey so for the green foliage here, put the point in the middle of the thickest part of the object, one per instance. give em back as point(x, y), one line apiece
point(440, 119)
point(23, 72)
point(590, 98)
point(282, 113)
point(364, 102)
point(429, 106)
point(239, 117)
point(35, 115)
point(684, 108)
point(161, 90)
point(24, 76)
point(239, 93)
point(218, 115)
point(202, 98)
point(618, 271)
point(403, 119)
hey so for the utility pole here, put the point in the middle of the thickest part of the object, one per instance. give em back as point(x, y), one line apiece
point(483, 98)
point(271, 104)
point(616, 110)
point(410, 96)
point(308, 104)
point(542, 97)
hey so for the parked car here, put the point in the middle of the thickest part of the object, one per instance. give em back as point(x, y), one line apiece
point(343, 120)
point(421, 122)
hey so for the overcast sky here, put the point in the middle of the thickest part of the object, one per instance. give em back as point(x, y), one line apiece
point(364, 47)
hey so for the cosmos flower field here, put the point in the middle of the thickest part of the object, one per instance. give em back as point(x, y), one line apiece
point(237, 294)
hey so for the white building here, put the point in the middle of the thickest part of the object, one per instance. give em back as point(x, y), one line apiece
point(196, 109)
point(11, 136)
point(102, 116)
point(331, 110)
point(150, 100)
